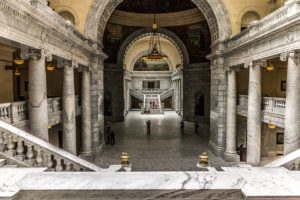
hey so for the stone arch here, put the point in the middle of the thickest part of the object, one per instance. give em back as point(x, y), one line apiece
point(69, 10)
point(164, 33)
point(213, 10)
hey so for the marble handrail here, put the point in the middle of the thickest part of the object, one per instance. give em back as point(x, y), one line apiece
point(270, 104)
point(285, 160)
point(166, 94)
point(291, 8)
point(17, 111)
point(38, 153)
point(137, 94)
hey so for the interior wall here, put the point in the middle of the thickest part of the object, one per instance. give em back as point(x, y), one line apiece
point(196, 79)
point(6, 76)
point(271, 82)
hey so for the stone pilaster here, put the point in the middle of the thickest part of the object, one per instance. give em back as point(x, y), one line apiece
point(292, 109)
point(230, 153)
point(69, 111)
point(86, 112)
point(37, 103)
point(254, 114)
point(97, 104)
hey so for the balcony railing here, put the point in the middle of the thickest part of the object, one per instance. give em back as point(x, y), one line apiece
point(273, 109)
point(17, 111)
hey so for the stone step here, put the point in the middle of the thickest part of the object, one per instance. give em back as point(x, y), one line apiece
point(2, 162)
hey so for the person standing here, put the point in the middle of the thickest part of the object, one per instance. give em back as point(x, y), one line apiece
point(112, 137)
point(196, 127)
point(148, 127)
point(182, 127)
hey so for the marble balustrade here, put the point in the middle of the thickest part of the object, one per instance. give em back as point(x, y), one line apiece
point(34, 152)
point(273, 109)
point(17, 112)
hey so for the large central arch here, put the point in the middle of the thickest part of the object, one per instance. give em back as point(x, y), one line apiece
point(213, 10)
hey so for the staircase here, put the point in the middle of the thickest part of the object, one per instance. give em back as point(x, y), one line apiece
point(3, 164)
point(19, 148)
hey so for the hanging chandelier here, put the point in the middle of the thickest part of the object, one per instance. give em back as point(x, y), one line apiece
point(154, 52)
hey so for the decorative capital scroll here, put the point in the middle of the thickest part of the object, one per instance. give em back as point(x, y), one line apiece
point(248, 63)
point(36, 54)
point(260, 63)
point(291, 54)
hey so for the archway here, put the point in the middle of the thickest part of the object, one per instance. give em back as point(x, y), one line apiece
point(213, 10)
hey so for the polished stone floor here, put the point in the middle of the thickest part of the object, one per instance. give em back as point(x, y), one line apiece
point(164, 150)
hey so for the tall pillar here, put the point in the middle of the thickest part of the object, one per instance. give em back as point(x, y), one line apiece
point(254, 115)
point(86, 113)
point(230, 153)
point(37, 103)
point(292, 109)
point(97, 108)
point(69, 112)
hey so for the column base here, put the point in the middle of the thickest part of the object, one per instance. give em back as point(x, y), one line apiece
point(215, 149)
point(88, 153)
point(231, 157)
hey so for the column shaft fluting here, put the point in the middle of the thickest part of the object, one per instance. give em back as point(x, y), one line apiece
point(69, 111)
point(38, 105)
point(254, 115)
point(292, 110)
point(86, 113)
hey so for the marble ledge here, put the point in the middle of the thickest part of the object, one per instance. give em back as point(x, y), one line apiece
point(250, 181)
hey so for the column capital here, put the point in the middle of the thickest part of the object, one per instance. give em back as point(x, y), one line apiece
point(257, 63)
point(290, 54)
point(36, 54)
point(83, 68)
point(69, 63)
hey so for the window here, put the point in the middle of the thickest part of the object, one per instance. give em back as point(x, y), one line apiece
point(68, 16)
point(248, 18)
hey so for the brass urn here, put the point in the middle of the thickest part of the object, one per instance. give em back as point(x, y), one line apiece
point(125, 159)
point(203, 159)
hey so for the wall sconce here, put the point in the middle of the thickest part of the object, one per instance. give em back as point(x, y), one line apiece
point(51, 66)
point(272, 126)
point(270, 67)
point(17, 57)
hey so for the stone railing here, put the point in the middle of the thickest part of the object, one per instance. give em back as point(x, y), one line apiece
point(34, 152)
point(290, 161)
point(291, 8)
point(17, 111)
point(274, 105)
point(166, 94)
point(137, 94)
point(273, 109)
point(270, 104)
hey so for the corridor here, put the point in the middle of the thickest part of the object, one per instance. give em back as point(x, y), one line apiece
point(164, 150)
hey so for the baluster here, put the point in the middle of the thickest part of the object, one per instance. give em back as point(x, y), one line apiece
point(49, 163)
point(58, 167)
point(39, 157)
point(30, 155)
point(10, 147)
point(5, 141)
point(1, 142)
point(20, 149)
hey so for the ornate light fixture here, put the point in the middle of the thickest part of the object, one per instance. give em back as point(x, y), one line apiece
point(154, 52)
point(272, 126)
point(51, 66)
point(125, 159)
point(17, 71)
point(270, 66)
point(17, 57)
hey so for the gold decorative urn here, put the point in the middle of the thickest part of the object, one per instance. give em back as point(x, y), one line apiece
point(125, 159)
point(203, 160)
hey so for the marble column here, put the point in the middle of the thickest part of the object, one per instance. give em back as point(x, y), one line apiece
point(69, 111)
point(254, 115)
point(37, 102)
point(86, 131)
point(292, 109)
point(230, 153)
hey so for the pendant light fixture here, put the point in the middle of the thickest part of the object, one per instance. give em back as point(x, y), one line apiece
point(154, 52)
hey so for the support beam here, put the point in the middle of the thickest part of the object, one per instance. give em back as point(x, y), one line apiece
point(292, 110)
point(230, 153)
point(254, 115)
point(69, 112)
point(86, 113)
point(37, 103)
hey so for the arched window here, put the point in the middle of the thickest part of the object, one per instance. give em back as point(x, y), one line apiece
point(199, 104)
point(248, 18)
point(68, 16)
